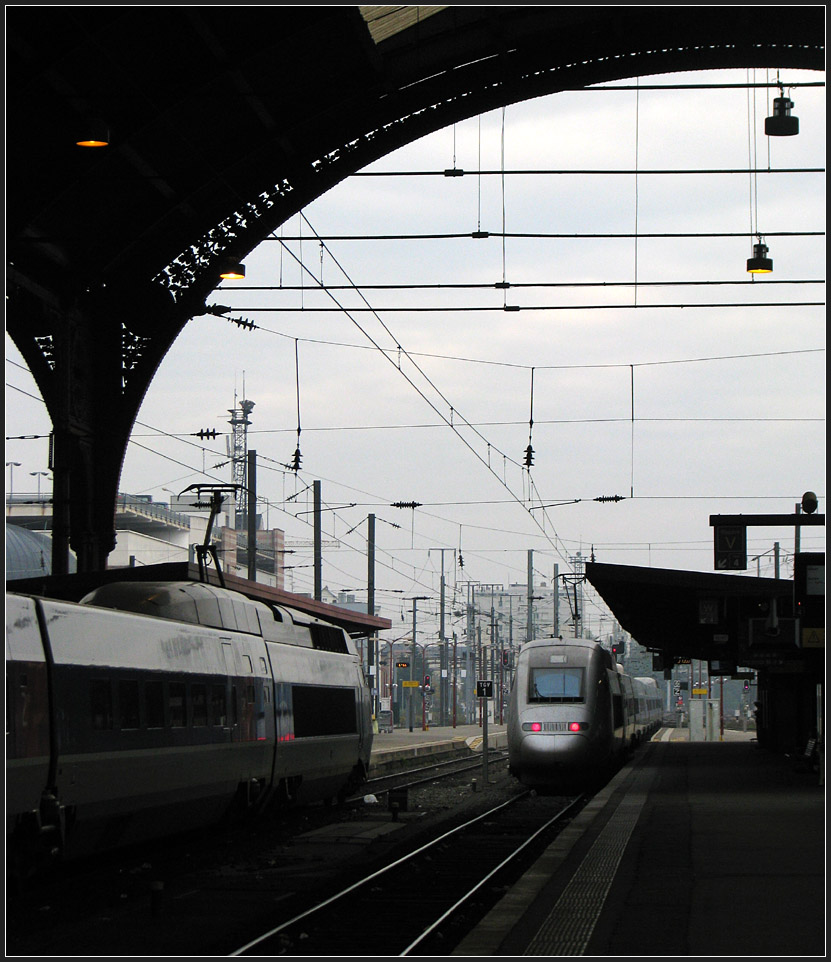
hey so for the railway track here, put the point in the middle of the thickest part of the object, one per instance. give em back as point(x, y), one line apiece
point(211, 893)
point(424, 902)
point(418, 773)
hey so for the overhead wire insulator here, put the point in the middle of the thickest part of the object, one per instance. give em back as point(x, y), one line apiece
point(243, 322)
point(295, 464)
point(529, 456)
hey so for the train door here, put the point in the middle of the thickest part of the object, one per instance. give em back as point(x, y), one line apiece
point(230, 703)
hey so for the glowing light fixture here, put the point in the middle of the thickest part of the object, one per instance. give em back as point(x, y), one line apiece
point(760, 263)
point(94, 133)
point(782, 124)
point(231, 269)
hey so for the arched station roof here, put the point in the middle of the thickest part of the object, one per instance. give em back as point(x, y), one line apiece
point(224, 122)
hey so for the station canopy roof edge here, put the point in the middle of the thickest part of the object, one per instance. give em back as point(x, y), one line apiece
point(73, 587)
point(687, 614)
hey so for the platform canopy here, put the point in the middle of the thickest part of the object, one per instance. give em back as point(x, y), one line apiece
point(690, 614)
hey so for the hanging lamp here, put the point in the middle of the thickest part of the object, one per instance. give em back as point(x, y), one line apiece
point(759, 263)
point(782, 124)
point(93, 132)
point(230, 269)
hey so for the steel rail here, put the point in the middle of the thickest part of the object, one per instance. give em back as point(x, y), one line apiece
point(506, 861)
point(355, 886)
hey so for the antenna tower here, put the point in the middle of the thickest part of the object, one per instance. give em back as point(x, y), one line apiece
point(239, 449)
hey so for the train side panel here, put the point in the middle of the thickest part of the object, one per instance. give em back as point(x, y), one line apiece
point(129, 724)
point(320, 724)
point(322, 708)
point(28, 739)
point(159, 724)
point(650, 705)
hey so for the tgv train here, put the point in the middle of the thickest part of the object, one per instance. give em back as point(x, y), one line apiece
point(573, 714)
point(149, 708)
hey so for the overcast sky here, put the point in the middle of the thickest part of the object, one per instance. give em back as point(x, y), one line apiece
point(683, 411)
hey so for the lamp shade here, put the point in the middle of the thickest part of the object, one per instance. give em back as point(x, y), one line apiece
point(782, 124)
point(230, 269)
point(93, 133)
point(760, 263)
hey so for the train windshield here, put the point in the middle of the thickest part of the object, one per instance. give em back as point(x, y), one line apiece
point(556, 685)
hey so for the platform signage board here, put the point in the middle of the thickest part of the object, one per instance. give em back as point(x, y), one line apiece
point(730, 543)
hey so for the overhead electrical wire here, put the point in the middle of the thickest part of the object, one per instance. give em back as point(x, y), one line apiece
point(483, 286)
point(485, 461)
point(380, 501)
point(541, 235)
point(525, 308)
point(593, 171)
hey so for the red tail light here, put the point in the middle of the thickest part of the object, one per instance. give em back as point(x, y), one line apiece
point(553, 727)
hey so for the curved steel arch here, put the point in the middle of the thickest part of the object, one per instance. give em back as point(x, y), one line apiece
point(110, 258)
point(520, 63)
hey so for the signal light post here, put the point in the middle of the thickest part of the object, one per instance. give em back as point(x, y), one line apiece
point(484, 691)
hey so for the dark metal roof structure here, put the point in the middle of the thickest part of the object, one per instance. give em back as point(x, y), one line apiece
point(224, 122)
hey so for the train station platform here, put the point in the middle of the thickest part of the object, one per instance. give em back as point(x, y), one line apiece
point(692, 849)
point(390, 748)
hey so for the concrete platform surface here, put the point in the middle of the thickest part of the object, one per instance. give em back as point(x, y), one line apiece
point(693, 849)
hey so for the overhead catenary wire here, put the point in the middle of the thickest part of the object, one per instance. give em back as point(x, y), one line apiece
point(483, 285)
point(591, 171)
point(485, 461)
point(539, 235)
point(515, 308)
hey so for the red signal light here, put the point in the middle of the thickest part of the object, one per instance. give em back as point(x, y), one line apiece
point(536, 726)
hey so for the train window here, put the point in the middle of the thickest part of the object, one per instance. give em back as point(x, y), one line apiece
point(247, 659)
point(263, 666)
point(249, 694)
point(328, 638)
point(556, 685)
point(101, 704)
point(323, 711)
point(199, 700)
point(128, 704)
point(176, 704)
point(154, 703)
point(219, 710)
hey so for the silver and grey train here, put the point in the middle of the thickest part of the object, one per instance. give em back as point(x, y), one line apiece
point(150, 708)
point(573, 714)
